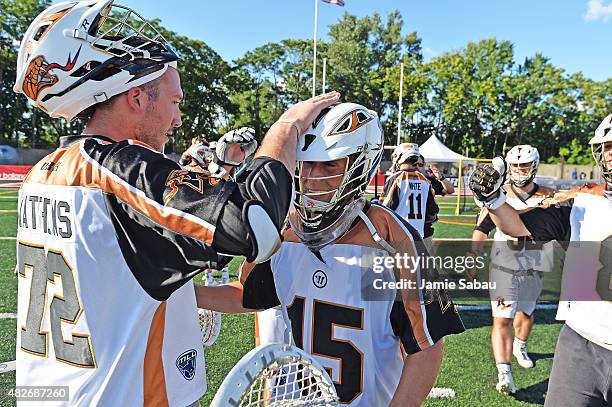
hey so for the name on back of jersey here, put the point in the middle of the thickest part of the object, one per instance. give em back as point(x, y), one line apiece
point(414, 186)
point(45, 215)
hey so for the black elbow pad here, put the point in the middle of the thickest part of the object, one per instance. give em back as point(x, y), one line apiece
point(268, 190)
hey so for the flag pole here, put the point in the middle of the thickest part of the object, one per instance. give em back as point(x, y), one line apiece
point(314, 59)
point(324, 73)
point(399, 114)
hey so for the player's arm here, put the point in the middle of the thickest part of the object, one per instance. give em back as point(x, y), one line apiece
point(226, 298)
point(543, 224)
point(418, 376)
point(509, 221)
point(419, 324)
point(445, 186)
point(391, 194)
point(484, 226)
point(254, 291)
point(449, 188)
point(437, 186)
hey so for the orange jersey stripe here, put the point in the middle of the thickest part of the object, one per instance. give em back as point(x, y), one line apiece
point(154, 379)
point(75, 168)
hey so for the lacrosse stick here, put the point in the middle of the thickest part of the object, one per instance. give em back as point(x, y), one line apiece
point(276, 375)
point(210, 321)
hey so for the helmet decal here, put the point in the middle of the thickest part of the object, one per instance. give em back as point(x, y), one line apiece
point(308, 139)
point(39, 77)
point(52, 19)
point(351, 122)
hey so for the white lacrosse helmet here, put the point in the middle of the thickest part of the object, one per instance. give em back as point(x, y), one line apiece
point(77, 54)
point(523, 154)
point(346, 130)
point(404, 151)
point(603, 135)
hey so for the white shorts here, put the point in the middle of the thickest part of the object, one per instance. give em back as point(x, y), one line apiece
point(514, 291)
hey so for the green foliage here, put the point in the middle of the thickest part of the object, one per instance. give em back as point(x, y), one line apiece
point(17, 120)
point(574, 153)
point(206, 101)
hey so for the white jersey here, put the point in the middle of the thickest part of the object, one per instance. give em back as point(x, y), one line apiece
point(590, 280)
point(414, 190)
point(360, 339)
point(512, 257)
point(581, 217)
point(110, 324)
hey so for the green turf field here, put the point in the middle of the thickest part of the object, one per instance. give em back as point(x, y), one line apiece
point(468, 365)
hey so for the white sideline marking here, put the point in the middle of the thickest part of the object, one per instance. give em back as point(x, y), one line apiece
point(7, 210)
point(441, 393)
point(7, 238)
point(7, 315)
point(488, 307)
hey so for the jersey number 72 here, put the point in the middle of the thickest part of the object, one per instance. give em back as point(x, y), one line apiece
point(45, 268)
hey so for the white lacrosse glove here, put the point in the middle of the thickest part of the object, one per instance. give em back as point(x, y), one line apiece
point(200, 153)
point(245, 136)
point(486, 184)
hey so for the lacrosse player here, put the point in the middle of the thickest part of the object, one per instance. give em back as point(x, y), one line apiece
point(580, 221)
point(110, 231)
point(517, 273)
point(380, 351)
point(411, 194)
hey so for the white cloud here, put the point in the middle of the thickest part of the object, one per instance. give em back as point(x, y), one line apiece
point(598, 10)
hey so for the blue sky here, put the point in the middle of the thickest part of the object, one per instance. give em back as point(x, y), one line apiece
point(574, 34)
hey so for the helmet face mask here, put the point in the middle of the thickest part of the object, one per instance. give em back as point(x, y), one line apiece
point(77, 54)
point(318, 208)
point(521, 175)
point(602, 153)
point(601, 147)
point(524, 161)
point(336, 160)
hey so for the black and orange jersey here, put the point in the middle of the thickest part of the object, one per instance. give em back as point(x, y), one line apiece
point(165, 219)
point(109, 236)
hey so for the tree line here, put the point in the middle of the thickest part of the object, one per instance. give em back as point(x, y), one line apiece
point(478, 99)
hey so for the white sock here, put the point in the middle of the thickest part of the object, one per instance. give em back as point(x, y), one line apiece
point(520, 344)
point(504, 368)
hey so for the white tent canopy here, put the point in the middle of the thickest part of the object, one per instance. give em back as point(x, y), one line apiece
point(435, 151)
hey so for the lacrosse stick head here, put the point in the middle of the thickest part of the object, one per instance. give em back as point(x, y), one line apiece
point(210, 321)
point(276, 375)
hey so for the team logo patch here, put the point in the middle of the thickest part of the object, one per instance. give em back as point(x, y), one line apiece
point(191, 180)
point(39, 77)
point(319, 279)
point(186, 364)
